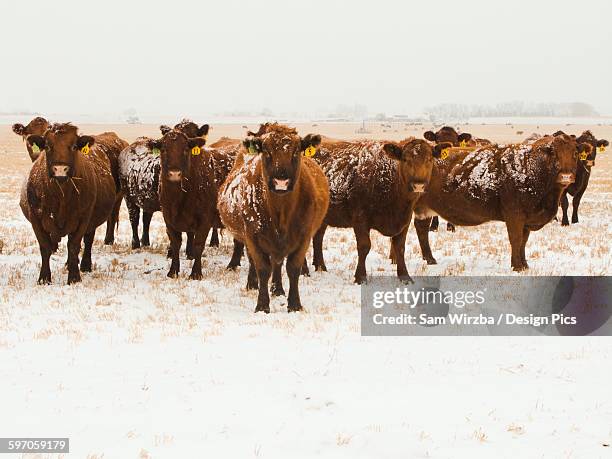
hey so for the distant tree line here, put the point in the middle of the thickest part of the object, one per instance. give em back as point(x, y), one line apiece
point(463, 111)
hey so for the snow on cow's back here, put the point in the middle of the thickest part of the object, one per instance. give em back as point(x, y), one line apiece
point(350, 166)
point(477, 175)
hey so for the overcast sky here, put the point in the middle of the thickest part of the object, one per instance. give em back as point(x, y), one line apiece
point(183, 56)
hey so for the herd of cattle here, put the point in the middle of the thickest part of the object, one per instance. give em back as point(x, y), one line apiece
point(276, 191)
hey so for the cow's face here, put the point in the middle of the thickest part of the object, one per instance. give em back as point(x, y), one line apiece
point(281, 155)
point(176, 151)
point(588, 159)
point(415, 161)
point(448, 134)
point(187, 127)
point(61, 144)
point(563, 153)
point(37, 127)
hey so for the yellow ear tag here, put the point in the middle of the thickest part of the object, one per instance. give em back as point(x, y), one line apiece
point(155, 152)
point(444, 153)
point(310, 151)
point(35, 148)
point(601, 149)
point(583, 156)
point(195, 151)
point(85, 149)
point(252, 150)
point(463, 144)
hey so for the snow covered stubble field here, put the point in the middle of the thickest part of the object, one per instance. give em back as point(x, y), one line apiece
point(132, 364)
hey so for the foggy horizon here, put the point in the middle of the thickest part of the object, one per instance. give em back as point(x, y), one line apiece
point(307, 59)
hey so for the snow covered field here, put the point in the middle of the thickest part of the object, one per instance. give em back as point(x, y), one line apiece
point(132, 364)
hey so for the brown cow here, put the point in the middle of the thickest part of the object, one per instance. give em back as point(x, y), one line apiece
point(585, 164)
point(518, 184)
point(108, 142)
point(37, 126)
point(449, 134)
point(374, 185)
point(274, 201)
point(70, 191)
point(188, 194)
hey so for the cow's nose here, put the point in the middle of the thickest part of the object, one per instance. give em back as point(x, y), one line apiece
point(60, 170)
point(418, 187)
point(174, 175)
point(565, 178)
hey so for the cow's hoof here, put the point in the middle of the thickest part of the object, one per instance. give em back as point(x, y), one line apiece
point(135, 244)
point(172, 274)
point(262, 308)
point(109, 241)
point(431, 261)
point(575, 220)
point(361, 280)
point(85, 266)
point(564, 222)
point(277, 290)
point(145, 242)
point(195, 276)
point(406, 279)
point(232, 266)
point(320, 267)
point(44, 280)
point(294, 308)
point(73, 278)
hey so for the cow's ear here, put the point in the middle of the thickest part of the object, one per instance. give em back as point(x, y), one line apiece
point(36, 140)
point(311, 140)
point(558, 133)
point(197, 142)
point(253, 145)
point(439, 148)
point(393, 151)
point(429, 135)
point(165, 129)
point(603, 143)
point(203, 131)
point(18, 128)
point(464, 137)
point(84, 140)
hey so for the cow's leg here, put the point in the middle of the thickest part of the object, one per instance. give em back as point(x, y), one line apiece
point(264, 268)
point(175, 247)
point(189, 246)
point(435, 222)
point(450, 227)
point(525, 238)
point(317, 249)
point(86, 259)
point(576, 204)
point(362, 235)
point(252, 283)
point(112, 221)
point(199, 241)
point(276, 288)
point(392, 254)
point(46, 247)
point(295, 261)
point(422, 230)
point(74, 247)
point(236, 255)
point(398, 243)
point(564, 206)
point(214, 238)
point(134, 214)
point(516, 229)
point(305, 271)
point(146, 223)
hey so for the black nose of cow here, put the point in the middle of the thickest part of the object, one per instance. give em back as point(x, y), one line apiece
point(60, 170)
point(174, 175)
